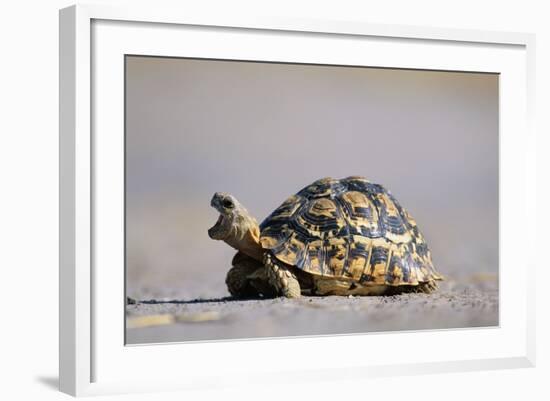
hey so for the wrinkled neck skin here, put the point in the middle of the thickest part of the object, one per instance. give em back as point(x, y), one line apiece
point(245, 237)
point(235, 226)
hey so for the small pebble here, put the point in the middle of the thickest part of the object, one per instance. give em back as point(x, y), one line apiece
point(206, 316)
point(149, 321)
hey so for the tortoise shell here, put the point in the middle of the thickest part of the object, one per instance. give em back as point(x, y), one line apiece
point(349, 228)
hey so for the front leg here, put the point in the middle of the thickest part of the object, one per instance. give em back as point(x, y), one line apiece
point(282, 278)
point(247, 278)
point(237, 278)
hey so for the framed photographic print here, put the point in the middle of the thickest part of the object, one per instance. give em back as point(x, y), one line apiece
point(273, 187)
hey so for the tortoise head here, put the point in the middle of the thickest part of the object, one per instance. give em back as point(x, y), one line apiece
point(235, 226)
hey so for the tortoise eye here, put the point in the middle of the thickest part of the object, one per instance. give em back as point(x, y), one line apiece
point(228, 204)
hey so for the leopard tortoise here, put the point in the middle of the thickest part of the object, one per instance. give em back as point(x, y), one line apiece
point(334, 237)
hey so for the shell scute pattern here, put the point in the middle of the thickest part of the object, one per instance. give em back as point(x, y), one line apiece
point(361, 214)
point(349, 228)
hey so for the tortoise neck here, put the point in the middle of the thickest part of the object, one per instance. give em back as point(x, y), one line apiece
point(248, 243)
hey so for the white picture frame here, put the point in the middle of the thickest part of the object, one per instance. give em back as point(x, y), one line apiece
point(93, 358)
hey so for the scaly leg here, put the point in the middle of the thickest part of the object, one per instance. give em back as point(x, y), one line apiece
point(247, 278)
point(282, 278)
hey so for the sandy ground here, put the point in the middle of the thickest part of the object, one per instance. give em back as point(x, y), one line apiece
point(469, 302)
point(429, 137)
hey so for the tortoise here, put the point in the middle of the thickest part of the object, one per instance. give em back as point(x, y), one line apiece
point(334, 237)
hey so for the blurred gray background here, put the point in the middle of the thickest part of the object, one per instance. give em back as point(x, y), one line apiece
point(262, 131)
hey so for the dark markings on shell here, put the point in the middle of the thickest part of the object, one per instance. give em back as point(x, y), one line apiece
point(349, 228)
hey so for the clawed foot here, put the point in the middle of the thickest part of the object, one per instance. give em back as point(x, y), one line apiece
point(238, 283)
point(248, 279)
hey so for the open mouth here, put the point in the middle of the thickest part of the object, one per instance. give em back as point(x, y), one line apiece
point(219, 230)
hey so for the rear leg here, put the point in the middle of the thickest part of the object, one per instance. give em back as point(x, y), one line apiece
point(426, 287)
